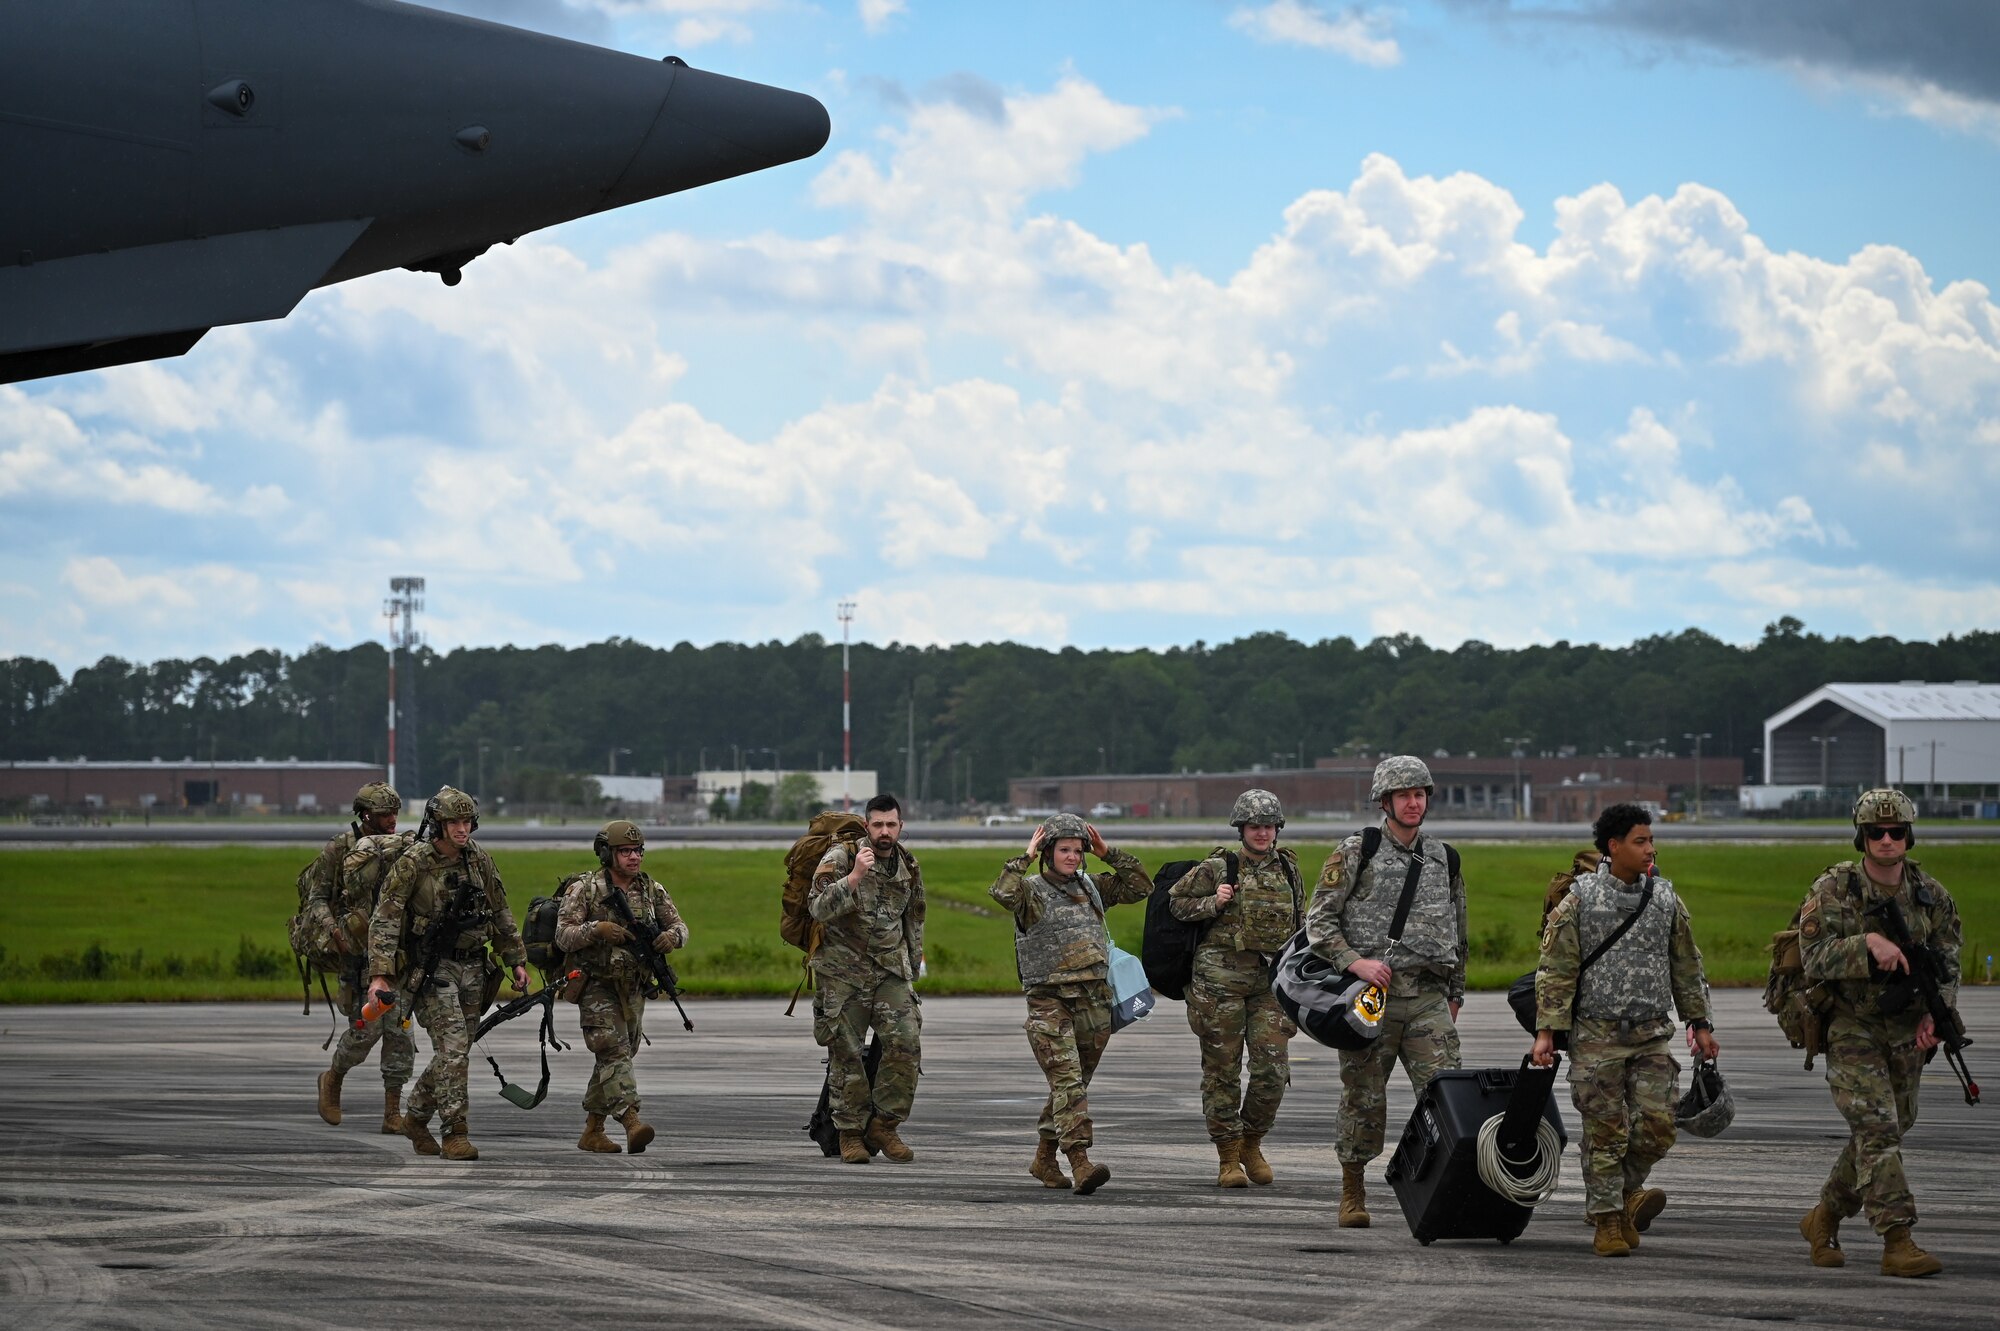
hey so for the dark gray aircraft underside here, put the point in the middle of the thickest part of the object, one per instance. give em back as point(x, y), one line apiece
point(173, 165)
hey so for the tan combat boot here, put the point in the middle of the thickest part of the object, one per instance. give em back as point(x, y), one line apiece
point(1821, 1228)
point(329, 1096)
point(1229, 1165)
point(1045, 1166)
point(881, 1135)
point(392, 1111)
point(416, 1126)
point(638, 1135)
point(1254, 1164)
point(1089, 1177)
point(1610, 1240)
point(1642, 1207)
point(1353, 1198)
point(852, 1150)
point(593, 1138)
point(1902, 1257)
point(458, 1146)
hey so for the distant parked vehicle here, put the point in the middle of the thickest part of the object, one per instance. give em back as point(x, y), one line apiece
point(1107, 811)
point(1002, 819)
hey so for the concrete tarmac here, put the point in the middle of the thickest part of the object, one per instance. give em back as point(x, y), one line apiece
point(164, 1168)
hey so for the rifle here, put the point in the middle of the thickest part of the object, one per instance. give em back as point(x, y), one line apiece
point(1926, 964)
point(642, 942)
point(450, 922)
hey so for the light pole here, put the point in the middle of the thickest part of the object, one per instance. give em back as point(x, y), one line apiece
point(482, 769)
point(614, 759)
point(1689, 734)
point(1823, 741)
point(1516, 742)
point(846, 613)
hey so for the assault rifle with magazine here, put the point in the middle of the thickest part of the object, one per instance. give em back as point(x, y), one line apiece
point(1927, 967)
point(663, 975)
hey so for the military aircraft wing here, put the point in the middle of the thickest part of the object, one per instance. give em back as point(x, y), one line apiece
point(173, 165)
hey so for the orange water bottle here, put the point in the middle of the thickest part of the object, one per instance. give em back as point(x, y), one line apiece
point(373, 1009)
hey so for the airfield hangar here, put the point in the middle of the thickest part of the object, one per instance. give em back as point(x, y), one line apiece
point(1942, 738)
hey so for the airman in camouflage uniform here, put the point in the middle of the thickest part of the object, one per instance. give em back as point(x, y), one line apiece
point(1230, 1005)
point(1062, 950)
point(422, 886)
point(1422, 972)
point(1622, 1078)
point(340, 908)
point(611, 1007)
point(870, 904)
point(1876, 1050)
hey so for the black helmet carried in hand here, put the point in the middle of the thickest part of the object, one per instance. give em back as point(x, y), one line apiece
point(1339, 1010)
point(1707, 1107)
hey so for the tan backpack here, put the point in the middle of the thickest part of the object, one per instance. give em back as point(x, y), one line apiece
point(1582, 866)
point(795, 922)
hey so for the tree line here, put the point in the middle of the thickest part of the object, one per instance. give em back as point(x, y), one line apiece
point(945, 723)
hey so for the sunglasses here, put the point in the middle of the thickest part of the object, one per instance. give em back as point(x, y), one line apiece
point(1897, 832)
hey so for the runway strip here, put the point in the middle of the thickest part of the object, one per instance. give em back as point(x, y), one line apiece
point(165, 1168)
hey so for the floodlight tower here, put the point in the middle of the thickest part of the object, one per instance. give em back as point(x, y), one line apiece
point(846, 613)
point(406, 598)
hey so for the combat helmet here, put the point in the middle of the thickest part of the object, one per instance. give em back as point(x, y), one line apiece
point(1257, 808)
point(1707, 1107)
point(376, 797)
point(1058, 827)
point(1333, 1006)
point(1402, 772)
point(613, 836)
point(450, 803)
point(1882, 806)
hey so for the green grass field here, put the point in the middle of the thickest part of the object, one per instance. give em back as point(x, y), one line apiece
point(193, 923)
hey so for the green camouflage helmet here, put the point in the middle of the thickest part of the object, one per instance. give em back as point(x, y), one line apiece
point(376, 797)
point(1064, 825)
point(1402, 772)
point(1884, 806)
point(450, 803)
point(1257, 808)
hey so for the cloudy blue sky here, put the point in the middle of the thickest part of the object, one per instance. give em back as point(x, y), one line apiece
point(1127, 323)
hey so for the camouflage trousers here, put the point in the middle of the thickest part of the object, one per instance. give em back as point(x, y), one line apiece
point(449, 1011)
point(1416, 1028)
point(613, 1017)
point(1068, 1027)
point(1873, 1072)
point(1231, 1008)
point(843, 1012)
point(391, 1031)
point(1625, 1093)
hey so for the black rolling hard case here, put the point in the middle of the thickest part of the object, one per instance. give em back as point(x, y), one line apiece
point(1435, 1169)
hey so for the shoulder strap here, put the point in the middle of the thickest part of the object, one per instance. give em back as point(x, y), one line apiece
point(1232, 863)
point(1371, 841)
point(1451, 858)
point(1409, 894)
point(1645, 900)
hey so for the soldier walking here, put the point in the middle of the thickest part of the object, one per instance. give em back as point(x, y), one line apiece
point(1230, 1005)
point(1878, 1038)
point(343, 899)
point(1422, 969)
point(1622, 1077)
point(1063, 952)
point(445, 876)
point(611, 1007)
point(870, 904)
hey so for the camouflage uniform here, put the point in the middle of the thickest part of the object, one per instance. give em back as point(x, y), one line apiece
point(350, 904)
point(466, 978)
point(1872, 1062)
point(1348, 921)
point(1622, 1078)
point(871, 941)
point(1230, 1005)
point(1063, 955)
point(612, 1008)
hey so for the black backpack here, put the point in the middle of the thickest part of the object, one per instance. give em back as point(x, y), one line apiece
point(1168, 947)
point(538, 930)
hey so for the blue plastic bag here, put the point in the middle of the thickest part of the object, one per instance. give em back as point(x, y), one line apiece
point(1131, 997)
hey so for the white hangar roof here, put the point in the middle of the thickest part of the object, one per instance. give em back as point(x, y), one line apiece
point(1964, 700)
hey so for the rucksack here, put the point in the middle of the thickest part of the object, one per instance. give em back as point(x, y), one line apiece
point(1582, 864)
point(1801, 1008)
point(795, 922)
point(312, 942)
point(1168, 946)
point(538, 929)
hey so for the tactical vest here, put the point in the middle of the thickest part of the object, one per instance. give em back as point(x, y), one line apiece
point(608, 960)
point(431, 896)
point(1068, 943)
point(1430, 934)
point(1264, 913)
point(1843, 914)
point(1634, 980)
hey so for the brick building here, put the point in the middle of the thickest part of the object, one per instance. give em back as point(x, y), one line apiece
point(287, 786)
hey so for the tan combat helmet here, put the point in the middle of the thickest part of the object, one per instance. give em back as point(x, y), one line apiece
point(376, 797)
point(1881, 807)
point(613, 836)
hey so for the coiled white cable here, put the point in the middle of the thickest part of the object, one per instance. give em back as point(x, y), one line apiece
point(1539, 1183)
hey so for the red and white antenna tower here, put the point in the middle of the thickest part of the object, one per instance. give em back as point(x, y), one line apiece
point(846, 612)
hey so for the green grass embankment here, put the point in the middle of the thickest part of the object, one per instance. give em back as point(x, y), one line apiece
point(194, 923)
